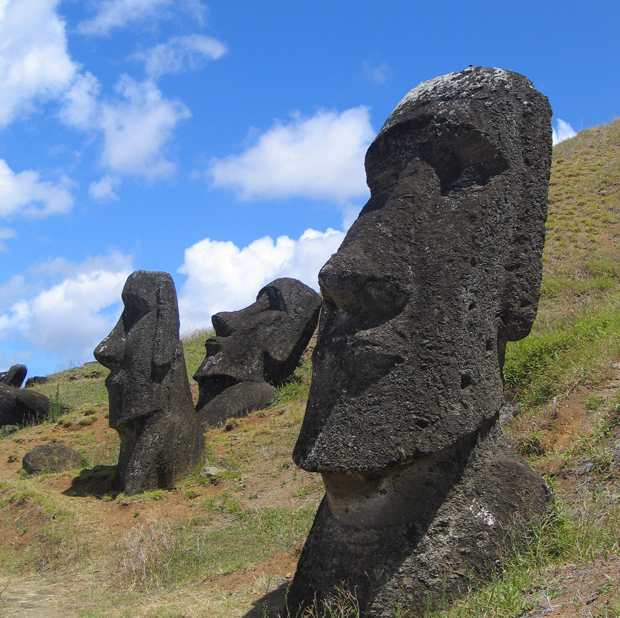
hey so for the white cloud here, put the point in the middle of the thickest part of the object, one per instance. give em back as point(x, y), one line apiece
point(119, 13)
point(222, 277)
point(5, 234)
point(321, 157)
point(34, 61)
point(376, 74)
point(80, 107)
point(68, 318)
point(104, 189)
point(25, 194)
point(180, 53)
point(563, 131)
point(136, 129)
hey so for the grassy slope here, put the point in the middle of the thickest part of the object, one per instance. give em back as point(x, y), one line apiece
point(214, 549)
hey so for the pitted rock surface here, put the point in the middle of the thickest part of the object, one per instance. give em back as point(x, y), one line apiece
point(51, 458)
point(20, 407)
point(255, 349)
point(14, 376)
point(150, 399)
point(442, 267)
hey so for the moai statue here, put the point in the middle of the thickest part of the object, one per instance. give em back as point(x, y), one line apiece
point(150, 399)
point(442, 267)
point(15, 376)
point(254, 350)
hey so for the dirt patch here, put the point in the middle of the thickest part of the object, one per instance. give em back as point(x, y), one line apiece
point(581, 591)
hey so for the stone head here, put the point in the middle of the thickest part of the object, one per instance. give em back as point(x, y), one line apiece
point(440, 270)
point(142, 348)
point(261, 342)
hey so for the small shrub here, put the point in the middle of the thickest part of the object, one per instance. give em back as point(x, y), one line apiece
point(56, 407)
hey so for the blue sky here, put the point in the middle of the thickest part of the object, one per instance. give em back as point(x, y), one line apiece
point(223, 142)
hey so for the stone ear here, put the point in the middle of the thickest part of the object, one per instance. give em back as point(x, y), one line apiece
point(166, 326)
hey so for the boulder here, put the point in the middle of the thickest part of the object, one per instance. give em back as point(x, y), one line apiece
point(51, 458)
point(150, 399)
point(14, 376)
point(442, 267)
point(254, 348)
point(22, 407)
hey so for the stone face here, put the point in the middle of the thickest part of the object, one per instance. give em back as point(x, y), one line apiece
point(150, 399)
point(14, 376)
point(255, 349)
point(22, 407)
point(442, 267)
point(51, 458)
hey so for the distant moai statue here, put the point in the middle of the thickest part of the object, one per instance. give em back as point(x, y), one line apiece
point(15, 376)
point(254, 350)
point(150, 399)
point(442, 267)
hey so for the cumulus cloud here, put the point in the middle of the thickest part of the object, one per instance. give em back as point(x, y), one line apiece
point(180, 53)
point(563, 131)
point(80, 107)
point(119, 13)
point(103, 190)
point(34, 62)
point(223, 277)
point(136, 129)
point(26, 194)
point(321, 157)
point(66, 308)
point(5, 234)
point(135, 126)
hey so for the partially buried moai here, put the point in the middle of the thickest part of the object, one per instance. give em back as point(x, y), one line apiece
point(255, 349)
point(150, 399)
point(440, 270)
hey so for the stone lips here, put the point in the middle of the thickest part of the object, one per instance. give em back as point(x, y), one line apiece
point(150, 399)
point(258, 346)
point(442, 267)
point(424, 530)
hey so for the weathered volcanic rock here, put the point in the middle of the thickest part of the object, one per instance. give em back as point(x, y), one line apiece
point(51, 458)
point(150, 399)
point(255, 349)
point(14, 376)
point(21, 407)
point(440, 270)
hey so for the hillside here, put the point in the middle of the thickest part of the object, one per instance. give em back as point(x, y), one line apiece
point(227, 545)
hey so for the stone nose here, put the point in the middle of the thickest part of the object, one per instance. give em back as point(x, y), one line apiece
point(111, 351)
point(359, 292)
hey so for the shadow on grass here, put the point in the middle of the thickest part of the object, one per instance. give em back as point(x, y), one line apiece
point(96, 482)
point(271, 605)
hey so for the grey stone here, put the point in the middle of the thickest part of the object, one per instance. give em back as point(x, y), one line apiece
point(51, 458)
point(14, 376)
point(442, 267)
point(22, 407)
point(237, 400)
point(256, 347)
point(150, 399)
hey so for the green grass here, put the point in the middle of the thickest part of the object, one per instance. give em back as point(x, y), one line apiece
point(168, 553)
point(194, 349)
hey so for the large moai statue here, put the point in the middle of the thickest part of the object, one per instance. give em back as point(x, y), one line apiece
point(254, 350)
point(440, 270)
point(150, 400)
